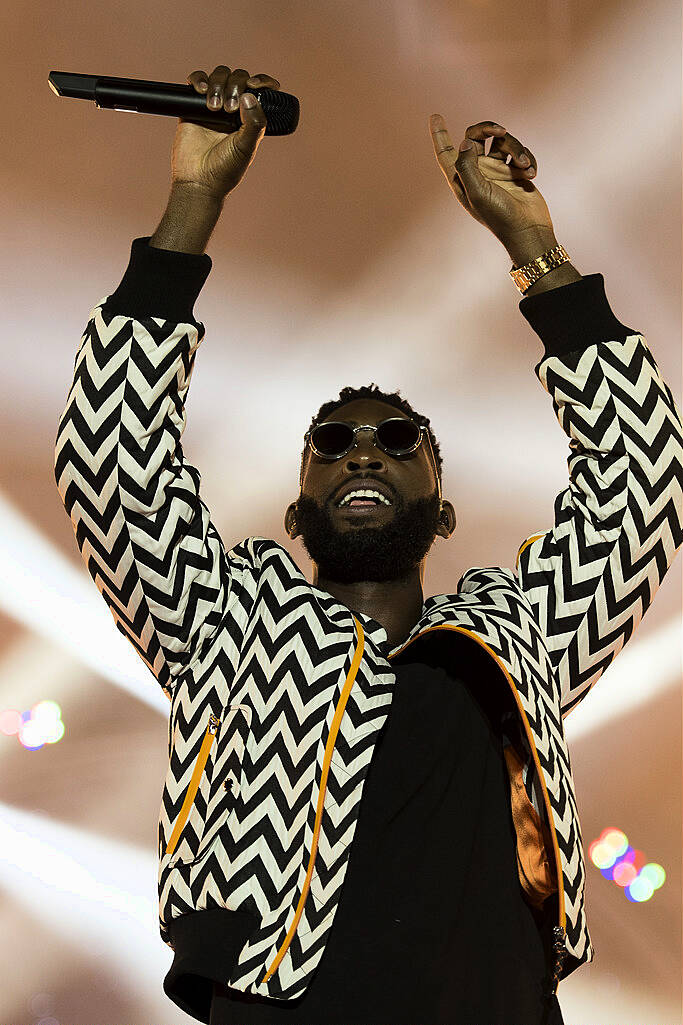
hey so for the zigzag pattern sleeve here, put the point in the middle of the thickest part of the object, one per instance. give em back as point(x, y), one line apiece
point(617, 526)
point(143, 531)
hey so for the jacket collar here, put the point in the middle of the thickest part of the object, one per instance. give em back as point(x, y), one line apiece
point(438, 608)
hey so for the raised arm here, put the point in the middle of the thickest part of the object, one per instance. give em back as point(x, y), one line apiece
point(617, 527)
point(143, 531)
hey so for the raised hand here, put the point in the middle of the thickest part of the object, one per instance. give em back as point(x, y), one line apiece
point(208, 156)
point(499, 195)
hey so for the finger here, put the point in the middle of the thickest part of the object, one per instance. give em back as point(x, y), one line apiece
point(217, 82)
point(444, 149)
point(267, 81)
point(508, 145)
point(451, 161)
point(533, 166)
point(466, 167)
point(234, 88)
point(200, 81)
point(253, 128)
point(482, 131)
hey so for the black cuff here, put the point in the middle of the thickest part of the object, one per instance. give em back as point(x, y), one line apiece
point(159, 283)
point(572, 317)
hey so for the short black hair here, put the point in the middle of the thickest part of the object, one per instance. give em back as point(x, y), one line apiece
point(372, 391)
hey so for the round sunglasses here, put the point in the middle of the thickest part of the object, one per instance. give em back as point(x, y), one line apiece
point(334, 439)
point(396, 436)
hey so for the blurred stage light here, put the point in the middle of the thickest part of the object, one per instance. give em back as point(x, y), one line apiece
point(10, 721)
point(625, 865)
point(646, 667)
point(43, 590)
point(93, 892)
point(41, 725)
point(41, 1004)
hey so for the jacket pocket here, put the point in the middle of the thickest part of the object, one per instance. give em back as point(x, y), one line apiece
point(213, 788)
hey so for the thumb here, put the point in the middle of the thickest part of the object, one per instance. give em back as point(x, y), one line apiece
point(467, 166)
point(253, 125)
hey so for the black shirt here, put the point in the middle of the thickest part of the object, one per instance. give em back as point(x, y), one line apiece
point(432, 927)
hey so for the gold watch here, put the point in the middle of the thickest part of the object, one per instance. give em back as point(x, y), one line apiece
point(524, 277)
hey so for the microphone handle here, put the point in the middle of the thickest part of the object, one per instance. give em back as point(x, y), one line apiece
point(174, 100)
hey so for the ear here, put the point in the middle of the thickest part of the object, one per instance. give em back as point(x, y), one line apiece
point(447, 520)
point(290, 521)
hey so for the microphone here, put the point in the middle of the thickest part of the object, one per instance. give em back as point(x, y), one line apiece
point(174, 100)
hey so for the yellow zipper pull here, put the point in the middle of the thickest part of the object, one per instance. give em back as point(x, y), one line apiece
point(214, 723)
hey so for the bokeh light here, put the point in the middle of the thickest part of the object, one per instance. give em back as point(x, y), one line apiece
point(35, 727)
point(616, 840)
point(624, 873)
point(601, 854)
point(625, 865)
point(10, 721)
point(640, 890)
point(655, 873)
point(46, 710)
point(41, 1004)
point(31, 735)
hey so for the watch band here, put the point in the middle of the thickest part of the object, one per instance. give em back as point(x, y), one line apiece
point(524, 277)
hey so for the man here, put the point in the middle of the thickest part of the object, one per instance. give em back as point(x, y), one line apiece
point(369, 814)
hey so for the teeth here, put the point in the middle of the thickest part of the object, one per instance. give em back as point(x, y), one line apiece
point(364, 494)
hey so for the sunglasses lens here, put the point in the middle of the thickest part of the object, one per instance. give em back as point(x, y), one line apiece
point(398, 435)
point(332, 438)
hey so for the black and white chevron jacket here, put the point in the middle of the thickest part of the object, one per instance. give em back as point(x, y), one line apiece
point(278, 691)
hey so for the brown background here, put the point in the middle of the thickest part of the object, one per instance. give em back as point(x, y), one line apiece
point(341, 259)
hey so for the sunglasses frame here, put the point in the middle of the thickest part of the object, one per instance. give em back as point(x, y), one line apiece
point(364, 427)
point(374, 428)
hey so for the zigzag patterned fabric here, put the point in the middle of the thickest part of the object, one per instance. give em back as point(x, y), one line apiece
point(278, 692)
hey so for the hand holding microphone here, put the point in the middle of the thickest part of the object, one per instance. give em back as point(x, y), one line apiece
point(215, 141)
point(219, 167)
point(207, 157)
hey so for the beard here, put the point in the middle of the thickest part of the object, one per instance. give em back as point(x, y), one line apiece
point(385, 552)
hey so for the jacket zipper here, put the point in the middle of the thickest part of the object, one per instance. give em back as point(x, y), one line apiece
point(559, 931)
point(211, 729)
point(327, 757)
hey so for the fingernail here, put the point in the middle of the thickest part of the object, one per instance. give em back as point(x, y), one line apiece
point(215, 100)
point(465, 144)
point(249, 99)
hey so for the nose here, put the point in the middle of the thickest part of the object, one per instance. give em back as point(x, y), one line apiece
point(365, 455)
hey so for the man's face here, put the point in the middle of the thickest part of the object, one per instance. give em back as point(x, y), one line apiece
point(377, 542)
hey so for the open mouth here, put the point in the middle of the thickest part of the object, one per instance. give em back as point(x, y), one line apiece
point(364, 497)
point(363, 502)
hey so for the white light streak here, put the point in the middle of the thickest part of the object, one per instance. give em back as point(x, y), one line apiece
point(42, 590)
point(94, 892)
point(644, 669)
